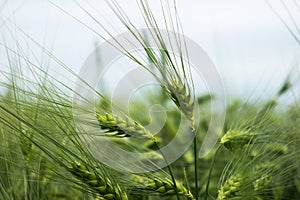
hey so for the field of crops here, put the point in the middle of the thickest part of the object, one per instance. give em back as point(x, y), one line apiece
point(58, 143)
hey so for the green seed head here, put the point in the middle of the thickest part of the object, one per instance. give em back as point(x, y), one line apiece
point(235, 139)
point(231, 188)
point(163, 186)
point(98, 183)
point(182, 98)
point(276, 148)
point(262, 182)
point(117, 127)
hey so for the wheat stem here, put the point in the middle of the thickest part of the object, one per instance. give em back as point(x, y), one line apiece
point(210, 171)
point(169, 168)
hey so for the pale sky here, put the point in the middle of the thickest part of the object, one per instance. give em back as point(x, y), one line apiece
point(244, 38)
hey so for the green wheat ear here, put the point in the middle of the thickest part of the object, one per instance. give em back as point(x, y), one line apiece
point(182, 98)
point(276, 148)
point(163, 186)
point(26, 145)
point(262, 182)
point(98, 183)
point(118, 127)
point(230, 189)
point(235, 139)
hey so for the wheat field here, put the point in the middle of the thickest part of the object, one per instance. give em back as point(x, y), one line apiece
point(59, 143)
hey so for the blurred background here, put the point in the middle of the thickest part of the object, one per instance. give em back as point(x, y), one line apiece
point(246, 40)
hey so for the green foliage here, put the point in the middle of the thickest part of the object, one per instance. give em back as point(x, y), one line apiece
point(44, 154)
point(262, 163)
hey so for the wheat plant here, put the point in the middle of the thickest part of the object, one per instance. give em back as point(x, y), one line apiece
point(45, 153)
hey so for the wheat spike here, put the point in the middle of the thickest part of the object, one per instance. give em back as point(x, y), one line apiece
point(182, 98)
point(118, 127)
point(276, 148)
point(163, 186)
point(231, 188)
point(235, 139)
point(101, 185)
point(26, 145)
point(262, 182)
